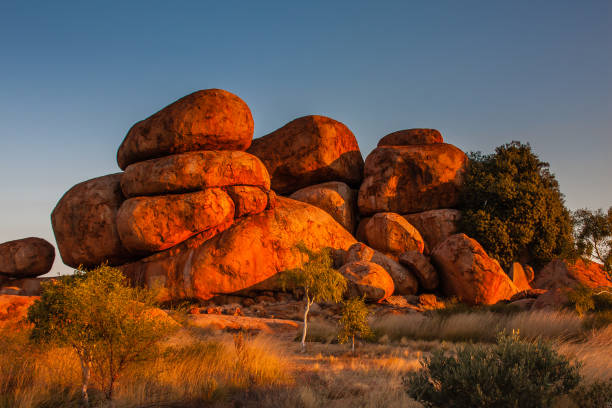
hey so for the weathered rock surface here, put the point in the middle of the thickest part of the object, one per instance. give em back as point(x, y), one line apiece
point(411, 137)
point(404, 281)
point(23, 287)
point(150, 224)
point(247, 200)
point(519, 277)
point(391, 234)
point(84, 223)
point(192, 171)
point(212, 119)
point(335, 198)
point(466, 271)
point(255, 248)
point(367, 279)
point(435, 225)
point(309, 150)
point(419, 265)
point(561, 274)
point(409, 179)
point(27, 257)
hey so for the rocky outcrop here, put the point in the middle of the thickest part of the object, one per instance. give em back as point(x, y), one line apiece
point(435, 225)
point(419, 265)
point(193, 171)
point(151, 224)
point(391, 234)
point(519, 276)
point(254, 249)
point(409, 179)
point(14, 309)
point(27, 257)
point(561, 274)
point(84, 223)
point(212, 119)
point(335, 198)
point(404, 281)
point(467, 272)
point(411, 137)
point(367, 279)
point(309, 150)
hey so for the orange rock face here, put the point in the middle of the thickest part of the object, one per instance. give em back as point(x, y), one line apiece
point(309, 150)
point(409, 179)
point(391, 234)
point(14, 309)
point(411, 137)
point(191, 171)
point(466, 271)
point(560, 274)
point(27, 257)
point(335, 198)
point(149, 224)
point(404, 281)
point(367, 279)
point(247, 200)
point(255, 248)
point(419, 265)
point(435, 225)
point(212, 119)
point(519, 277)
point(84, 223)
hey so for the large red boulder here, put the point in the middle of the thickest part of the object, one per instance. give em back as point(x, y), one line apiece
point(150, 224)
point(435, 225)
point(404, 281)
point(84, 223)
point(27, 257)
point(192, 171)
point(561, 274)
point(367, 279)
point(248, 199)
point(310, 150)
point(467, 272)
point(420, 266)
point(411, 137)
point(212, 119)
point(409, 179)
point(519, 276)
point(334, 197)
point(255, 248)
point(391, 234)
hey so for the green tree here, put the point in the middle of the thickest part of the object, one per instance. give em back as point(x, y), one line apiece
point(108, 323)
point(354, 321)
point(319, 280)
point(593, 233)
point(512, 205)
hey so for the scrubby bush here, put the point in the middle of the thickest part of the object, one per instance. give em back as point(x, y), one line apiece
point(354, 321)
point(511, 373)
point(512, 205)
point(108, 323)
point(594, 395)
point(584, 299)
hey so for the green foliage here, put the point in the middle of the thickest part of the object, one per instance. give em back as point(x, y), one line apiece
point(595, 395)
point(108, 323)
point(584, 299)
point(512, 205)
point(593, 233)
point(509, 374)
point(354, 321)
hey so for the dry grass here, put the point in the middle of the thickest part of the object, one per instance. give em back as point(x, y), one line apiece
point(595, 354)
point(479, 326)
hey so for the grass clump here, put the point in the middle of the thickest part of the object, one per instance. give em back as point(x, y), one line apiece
point(511, 373)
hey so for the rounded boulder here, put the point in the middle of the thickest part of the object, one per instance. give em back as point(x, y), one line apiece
point(26, 258)
point(409, 137)
point(391, 234)
point(368, 279)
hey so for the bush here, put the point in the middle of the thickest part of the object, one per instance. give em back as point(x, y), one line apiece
point(595, 395)
point(509, 374)
point(584, 299)
point(512, 205)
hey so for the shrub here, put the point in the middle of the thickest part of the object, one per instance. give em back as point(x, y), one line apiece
point(108, 323)
point(584, 299)
point(509, 374)
point(593, 231)
point(512, 205)
point(354, 322)
point(594, 395)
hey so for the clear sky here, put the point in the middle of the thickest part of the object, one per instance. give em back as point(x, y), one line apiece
point(74, 76)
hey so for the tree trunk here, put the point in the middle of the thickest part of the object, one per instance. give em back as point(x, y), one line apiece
point(353, 344)
point(308, 304)
point(86, 374)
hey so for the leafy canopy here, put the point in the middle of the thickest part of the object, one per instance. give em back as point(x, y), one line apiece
point(354, 320)
point(108, 323)
point(512, 205)
point(593, 233)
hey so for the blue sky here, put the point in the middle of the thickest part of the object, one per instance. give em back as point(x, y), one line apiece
point(74, 76)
